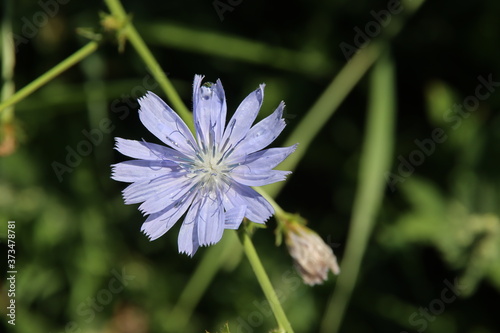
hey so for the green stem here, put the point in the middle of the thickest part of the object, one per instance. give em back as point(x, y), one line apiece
point(8, 60)
point(234, 47)
point(265, 284)
point(324, 108)
point(49, 75)
point(200, 280)
point(140, 46)
point(375, 161)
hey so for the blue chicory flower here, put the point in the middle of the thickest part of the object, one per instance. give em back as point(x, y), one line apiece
point(208, 177)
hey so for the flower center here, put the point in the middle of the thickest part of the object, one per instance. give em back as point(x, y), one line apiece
point(210, 169)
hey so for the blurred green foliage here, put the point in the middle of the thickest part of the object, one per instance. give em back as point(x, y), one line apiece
point(83, 265)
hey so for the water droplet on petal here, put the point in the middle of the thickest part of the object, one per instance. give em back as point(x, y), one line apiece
point(258, 94)
point(206, 90)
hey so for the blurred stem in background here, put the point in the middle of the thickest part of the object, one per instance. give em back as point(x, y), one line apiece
point(337, 91)
point(131, 34)
point(8, 140)
point(8, 60)
point(375, 161)
point(324, 108)
point(235, 47)
point(223, 253)
point(50, 75)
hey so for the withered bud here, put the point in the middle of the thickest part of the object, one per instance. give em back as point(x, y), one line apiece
point(313, 258)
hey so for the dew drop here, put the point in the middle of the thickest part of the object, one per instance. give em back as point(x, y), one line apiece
point(207, 90)
point(259, 95)
point(172, 142)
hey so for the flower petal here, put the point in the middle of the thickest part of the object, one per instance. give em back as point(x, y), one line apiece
point(188, 235)
point(170, 191)
point(147, 151)
point(165, 124)
point(141, 170)
point(209, 111)
point(243, 118)
point(210, 219)
point(258, 177)
point(159, 223)
point(258, 209)
point(264, 159)
point(143, 190)
point(262, 134)
point(196, 92)
point(234, 217)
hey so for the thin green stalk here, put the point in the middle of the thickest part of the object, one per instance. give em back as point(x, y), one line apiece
point(265, 283)
point(325, 107)
point(329, 102)
point(49, 75)
point(8, 60)
point(200, 280)
point(140, 46)
point(234, 47)
point(375, 161)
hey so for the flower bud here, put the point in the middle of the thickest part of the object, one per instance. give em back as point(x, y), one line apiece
point(313, 258)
